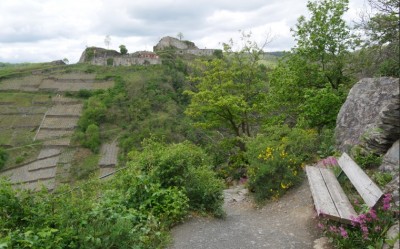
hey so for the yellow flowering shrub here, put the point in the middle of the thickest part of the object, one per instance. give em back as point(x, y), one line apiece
point(277, 158)
point(273, 173)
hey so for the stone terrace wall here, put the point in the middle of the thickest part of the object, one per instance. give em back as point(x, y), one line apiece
point(125, 60)
point(197, 52)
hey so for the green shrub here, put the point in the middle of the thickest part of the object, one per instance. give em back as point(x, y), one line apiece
point(94, 113)
point(181, 165)
point(141, 192)
point(203, 189)
point(84, 93)
point(19, 159)
point(321, 106)
point(3, 157)
point(382, 178)
point(276, 159)
point(231, 162)
point(326, 141)
point(272, 173)
point(92, 138)
point(365, 159)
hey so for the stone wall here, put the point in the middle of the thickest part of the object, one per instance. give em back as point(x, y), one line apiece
point(125, 60)
point(100, 56)
point(197, 52)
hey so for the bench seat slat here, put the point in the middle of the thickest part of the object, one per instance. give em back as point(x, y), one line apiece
point(322, 199)
point(368, 190)
point(342, 203)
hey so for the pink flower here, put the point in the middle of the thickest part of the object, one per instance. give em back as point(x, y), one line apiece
point(386, 201)
point(372, 214)
point(354, 221)
point(364, 230)
point(378, 228)
point(320, 225)
point(333, 229)
point(343, 232)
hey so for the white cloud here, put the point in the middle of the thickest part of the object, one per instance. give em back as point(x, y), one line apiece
point(45, 30)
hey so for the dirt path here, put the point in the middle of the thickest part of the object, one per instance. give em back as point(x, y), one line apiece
point(283, 224)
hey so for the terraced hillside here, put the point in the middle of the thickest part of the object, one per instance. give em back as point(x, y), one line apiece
point(50, 82)
point(37, 123)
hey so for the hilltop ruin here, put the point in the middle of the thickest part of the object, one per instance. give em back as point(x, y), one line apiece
point(107, 57)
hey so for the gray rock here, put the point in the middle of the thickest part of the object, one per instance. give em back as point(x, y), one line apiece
point(390, 161)
point(392, 234)
point(370, 115)
point(171, 42)
point(322, 243)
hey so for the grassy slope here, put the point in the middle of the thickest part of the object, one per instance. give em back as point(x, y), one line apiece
point(147, 101)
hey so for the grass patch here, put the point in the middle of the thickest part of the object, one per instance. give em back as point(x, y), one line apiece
point(22, 155)
point(8, 71)
point(85, 163)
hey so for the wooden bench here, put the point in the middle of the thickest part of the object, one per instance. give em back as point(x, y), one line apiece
point(330, 199)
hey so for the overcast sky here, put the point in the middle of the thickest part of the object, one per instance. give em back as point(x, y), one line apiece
point(47, 30)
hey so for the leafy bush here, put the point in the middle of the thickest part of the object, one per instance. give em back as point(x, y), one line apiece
point(365, 159)
point(94, 113)
point(203, 189)
point(182, 165)
point(382, 178)
point(321, 107)
point(368, 230)
point(128, 210)
point(276, 159)
point(92, 138)
point(272, 173)
point(141, 192)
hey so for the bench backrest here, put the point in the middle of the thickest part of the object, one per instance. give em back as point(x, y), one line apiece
point(368, 190)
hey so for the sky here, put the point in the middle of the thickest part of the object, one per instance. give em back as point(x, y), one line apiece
point(47, 30)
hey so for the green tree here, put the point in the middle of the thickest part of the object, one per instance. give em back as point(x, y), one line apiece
point(123, 49)
point(381, 32)
point(228, 92)
point(325, 39)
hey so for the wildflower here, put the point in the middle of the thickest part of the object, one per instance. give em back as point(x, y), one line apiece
point(283, 186)
point(386, 201)
point(364, 230)
point(320, 225)
point(378, 228)
point(343, 232)
point(372, 214)
point(333, 229)
point(354, 221)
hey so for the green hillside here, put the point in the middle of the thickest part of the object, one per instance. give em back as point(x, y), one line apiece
point(115, 156)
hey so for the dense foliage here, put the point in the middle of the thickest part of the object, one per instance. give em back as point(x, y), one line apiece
point(134, 209)
point(185, 124)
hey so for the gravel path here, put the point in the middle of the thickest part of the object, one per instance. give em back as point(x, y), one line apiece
point(283, 224)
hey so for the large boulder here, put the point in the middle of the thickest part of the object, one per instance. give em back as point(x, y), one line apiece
point(370, 116)
point(91, 53)
point(171, 42)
